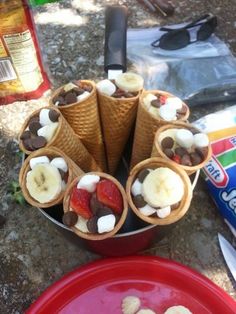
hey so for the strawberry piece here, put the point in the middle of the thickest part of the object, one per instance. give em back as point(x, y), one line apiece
point(109, 195)
point(162, 99)
point(176, 158)
point(79, 202)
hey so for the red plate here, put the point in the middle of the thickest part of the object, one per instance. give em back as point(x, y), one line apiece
point(99, 287)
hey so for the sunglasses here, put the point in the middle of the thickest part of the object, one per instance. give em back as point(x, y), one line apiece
point(180, 38)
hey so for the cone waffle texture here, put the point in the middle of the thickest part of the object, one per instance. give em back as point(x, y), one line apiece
point(158, 152)
point(97, 236)
point(145, 128)
point(176, 214)
point(50, 152)
point(118, 116)
point(84, 119)
point(67, 141)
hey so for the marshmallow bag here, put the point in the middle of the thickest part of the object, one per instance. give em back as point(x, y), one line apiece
point(83, 117)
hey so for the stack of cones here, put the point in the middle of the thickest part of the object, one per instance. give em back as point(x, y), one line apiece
point(83, 117)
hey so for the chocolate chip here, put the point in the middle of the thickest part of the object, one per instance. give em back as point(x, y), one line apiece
point(142, 175)
point(78, 91)
point(87, 88)
point(167, 142)
point(34, 119)
point(202, 151)
point(70, 218)
point(38, 142)
point(53, 115)
point(155, 103)
point(128, 95)
point(95, 205)
point(2, 221)
point(103, 211)
point(195, 158)
point(70, 98)
point(194, 131)
point(28, 144)
point(92, 224)
point(25, 135)
point(175, 206)
point(118, 93)
point(34, 126)
point(139, 201)
point(63, 174)
point(181, 151)
point(60, 100)
point(168, 152)
point(186, 160)
point(183, 110)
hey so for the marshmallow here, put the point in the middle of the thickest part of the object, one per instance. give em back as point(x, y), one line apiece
point(136, 188)
point(83, 96)
point(130, 305)
point(154, 111)
point(148, 99)
point(201, 140)
point(48, 131)
point(88, 182)
point(60, 163)
point(147, 210)
point(106, 87)
point(175, 102)
point(184, 138)
point(38, 160)
point(164, 212)
point(167, 112)
point(69, 87)
point(82, 224)
point(106, 223)
point(44, 117)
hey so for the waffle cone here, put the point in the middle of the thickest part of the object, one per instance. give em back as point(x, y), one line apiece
point(97, 236)
point(51, 152)
point(118, 116)
point(84, 119)
point(158, 152)
point(146, 126)
point(67, 141)
point(176, 214)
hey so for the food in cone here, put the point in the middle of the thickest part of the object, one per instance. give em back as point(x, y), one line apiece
point(45, 175)
point(156, 108)
point(182, 144)
point(47, 127)
point(158, 191)
point(95, 206)
point(118, 101)
point(77, 102)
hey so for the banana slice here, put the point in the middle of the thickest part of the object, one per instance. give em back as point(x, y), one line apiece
point(130, 82)
point(178, 309)
point(48, 131)
point(106, 87)
point(130, 305)
point(38, 160)
point(162, 187)
point(147, 100)
point(154, 111)
point(44, 183)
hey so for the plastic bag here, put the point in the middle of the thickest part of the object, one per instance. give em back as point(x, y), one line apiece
point(202, 72)
point(22, 75)
point(220, 171)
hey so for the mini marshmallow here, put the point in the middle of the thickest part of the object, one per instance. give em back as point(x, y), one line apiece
point(130, 305)
point(147, 210)
point(136, 188)
point(167, 112)
point(48, 131)
point(163, 212)
point(88, 182)
point(83, 96)
point(106, 223)
point(82, 224)
point(201, 140)
point(69, 87)
point(145, 311)
point(154, 111)
point(148, 99)
point(63, 185)
point(59, 163)
point(38, 160)
point(44, 117)
point(175, 102)
point(106, 87)
point(184, 138)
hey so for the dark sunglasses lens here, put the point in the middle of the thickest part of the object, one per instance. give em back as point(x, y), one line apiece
point(174, 40)
point(207, 29)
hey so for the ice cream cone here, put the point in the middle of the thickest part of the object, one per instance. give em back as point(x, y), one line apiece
point(50, 152)
point(145, 128)
point(97, 236)
point(83, 117)
point(157, 150)
point(117, 116)
point(67, 141)
point(176, 214)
